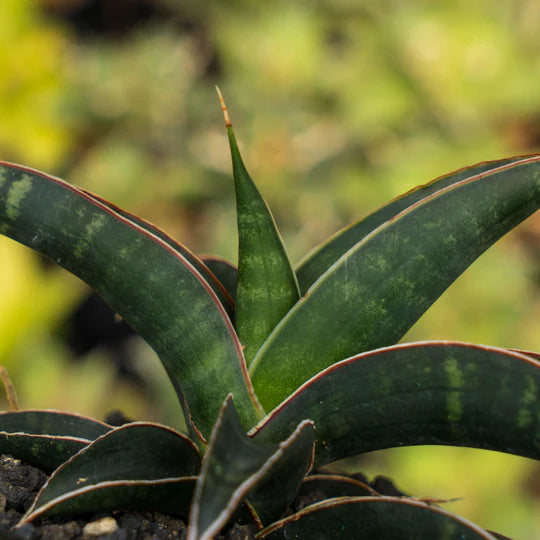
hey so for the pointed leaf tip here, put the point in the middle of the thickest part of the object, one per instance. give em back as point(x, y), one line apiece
point(224, 108)
point(235, 466)
point(267, 287)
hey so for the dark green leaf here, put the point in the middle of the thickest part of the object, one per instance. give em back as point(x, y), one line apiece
point(267, 286)
point(316, 263)
point(50, 422)
point(199, 265)
point(235, 465)
point(150, 284)
point(44, 451)
point(224, 271)
point(168, 495)
point(383, 518)
point(418, 393)
point(373, 295)
point(46, 439)
point(273, 494)
point(135, 452)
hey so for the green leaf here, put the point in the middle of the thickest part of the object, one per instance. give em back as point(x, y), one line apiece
point(116, 468)
point(44, 451)
point(168, 496)
point(273, 494)
point(51, 422)
point(373, 295)
point(418, 393)
point(267, 286)
point(199, 265)
point(225, 272)
point(234, 465)
point(46, 439)
point(383, 518)
point(320, 259)
point(148, 282)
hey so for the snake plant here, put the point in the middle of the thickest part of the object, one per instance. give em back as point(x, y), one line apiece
point(281, 369)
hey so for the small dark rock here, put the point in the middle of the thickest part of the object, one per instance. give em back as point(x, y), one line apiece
point(131, 522)
point(10, 518)
point(315, 495)
point(67, 531)
point(240, 532)
point(171, 523)
point(23, 532)
point(19, 483)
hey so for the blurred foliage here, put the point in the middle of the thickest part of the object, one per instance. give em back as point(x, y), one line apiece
point(339, 105)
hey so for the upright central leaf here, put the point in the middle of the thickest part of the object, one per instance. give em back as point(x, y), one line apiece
point(267, 286)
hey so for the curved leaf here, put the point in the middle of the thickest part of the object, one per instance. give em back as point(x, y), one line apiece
point(168, 495)
point(235, 465)
point(267, 286)
point(49, 422)
point(318, 261)
point(150, 284)
point(379, 289)
point(137, 452)
point(384, 518)
point(44, 451)
point(200, 266)
point(46, 439)
point(418, 393)
point(224, 271)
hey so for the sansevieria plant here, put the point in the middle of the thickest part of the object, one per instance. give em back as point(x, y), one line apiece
point(278, 369)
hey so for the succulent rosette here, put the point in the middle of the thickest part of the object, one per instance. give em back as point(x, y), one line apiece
point(281, 369)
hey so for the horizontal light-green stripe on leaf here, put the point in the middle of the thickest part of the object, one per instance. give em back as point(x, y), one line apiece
point(139, 451)
point(418, 393)
point(367, 518)
point(267, 286)
point(375, 292)
point(154, 288)
point(317, 262)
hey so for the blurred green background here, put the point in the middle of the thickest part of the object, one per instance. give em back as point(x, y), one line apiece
point(339, 105)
